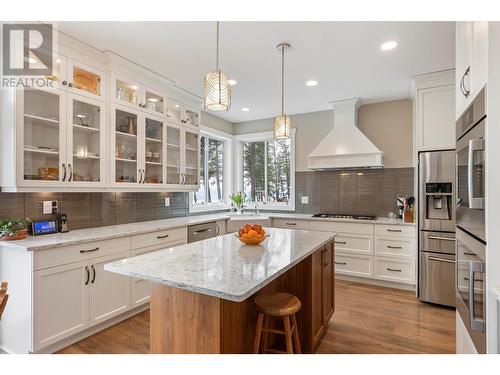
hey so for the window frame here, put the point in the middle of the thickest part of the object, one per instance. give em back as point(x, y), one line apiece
point(261, 137)
point(228, 171)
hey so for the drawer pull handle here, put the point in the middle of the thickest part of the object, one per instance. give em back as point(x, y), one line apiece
point(466, 253)
point(88, 251)
point(475, 280)
point(93, 275)
point(291, 223)
point(394, 247)
point(439, 238)
point(160, 237)
point(202, 231)
point(341, 263)
point(394, 230)
point(341, 242)
point(393, 270)
point(442, 260)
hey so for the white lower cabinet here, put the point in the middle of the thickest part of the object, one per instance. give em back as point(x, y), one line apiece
point(61, 303)
point(395, 270)
point(353, 265)
point(109, 292)
point(464, 344)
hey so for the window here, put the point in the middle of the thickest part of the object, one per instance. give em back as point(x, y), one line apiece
point(215, 172)
point(266, 166)
point(211, 172)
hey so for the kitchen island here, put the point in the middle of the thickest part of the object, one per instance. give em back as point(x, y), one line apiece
point(202, 293)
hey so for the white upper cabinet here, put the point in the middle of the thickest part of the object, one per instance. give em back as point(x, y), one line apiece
point(435, 111)
point(182, 114)
point(85, 80)
point(471, 62)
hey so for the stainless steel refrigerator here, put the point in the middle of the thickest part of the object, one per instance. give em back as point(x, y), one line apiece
point(437, 227)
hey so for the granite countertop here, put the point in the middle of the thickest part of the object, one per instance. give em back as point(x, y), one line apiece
point(224, 267)
point(112, 231)
point(379, 220)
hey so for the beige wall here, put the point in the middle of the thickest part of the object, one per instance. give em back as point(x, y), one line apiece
point(387, 124)
point(214, 122)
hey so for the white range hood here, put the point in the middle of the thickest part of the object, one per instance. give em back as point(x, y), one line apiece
point(345, 146)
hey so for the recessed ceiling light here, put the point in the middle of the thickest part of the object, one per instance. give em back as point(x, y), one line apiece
point(312, 83)
point(232, 82)
point(176, 106)
point(391, 44)
point(245, 109)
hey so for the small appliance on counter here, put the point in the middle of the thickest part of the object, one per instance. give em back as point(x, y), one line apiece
point(62, 223)
point(40, 227)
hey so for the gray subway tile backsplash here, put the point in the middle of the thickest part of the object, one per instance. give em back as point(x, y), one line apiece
point(371, 192)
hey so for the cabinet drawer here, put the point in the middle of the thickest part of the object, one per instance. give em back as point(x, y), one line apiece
point(75, 253)
point(354, 265)
point(394, 247)
point(160, 237)
point(395, 230)
point(291, 224)
point(328, 226)
point(352, 243)
point(400, 271)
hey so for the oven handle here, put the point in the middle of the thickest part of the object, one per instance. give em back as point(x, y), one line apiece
point(440, 238)
point(442, 260)
point(475, 324)
point(474, 145)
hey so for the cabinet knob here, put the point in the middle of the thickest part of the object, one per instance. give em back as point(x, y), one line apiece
point(70, 84)
point(64, 83)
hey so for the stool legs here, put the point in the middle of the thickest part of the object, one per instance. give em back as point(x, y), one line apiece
point(291, 333)
point(288, 334)
point(296, 340)
point(258, 333)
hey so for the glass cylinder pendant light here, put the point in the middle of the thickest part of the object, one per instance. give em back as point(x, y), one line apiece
point(217, 88)
point(282, 123)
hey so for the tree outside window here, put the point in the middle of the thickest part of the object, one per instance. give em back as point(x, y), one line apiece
point(211, 171)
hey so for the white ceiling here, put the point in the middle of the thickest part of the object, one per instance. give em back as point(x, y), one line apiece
point(344, 57)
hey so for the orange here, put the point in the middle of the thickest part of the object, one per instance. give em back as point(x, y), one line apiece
point(244, 235)
point(252, 234)
point(240, 232)
point(257, 228)
point(247, 228)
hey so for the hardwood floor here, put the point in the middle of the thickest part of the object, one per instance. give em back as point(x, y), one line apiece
point(367, 319)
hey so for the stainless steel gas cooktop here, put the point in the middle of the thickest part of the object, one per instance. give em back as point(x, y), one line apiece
point(345, 216)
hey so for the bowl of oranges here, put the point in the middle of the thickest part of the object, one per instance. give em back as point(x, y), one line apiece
point(252, 234)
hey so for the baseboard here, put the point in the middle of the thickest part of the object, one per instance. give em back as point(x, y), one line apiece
point(385, 284)
point(91, 331)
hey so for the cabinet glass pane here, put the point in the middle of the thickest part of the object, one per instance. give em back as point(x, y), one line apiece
point(126, 92)
point(86, 141)
point(191, 158)
point(56, 71)
point(192, 117)
point(174, 111)
point(153, 153)
point(173, 155)
point(86, 81)
point(154, 102)
point(125, 147)
point(41, 135)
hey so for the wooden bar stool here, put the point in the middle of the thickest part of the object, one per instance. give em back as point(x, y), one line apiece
point(3, 297)
point(277, 305)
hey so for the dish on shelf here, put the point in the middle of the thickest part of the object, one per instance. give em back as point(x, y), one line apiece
point(86, 82)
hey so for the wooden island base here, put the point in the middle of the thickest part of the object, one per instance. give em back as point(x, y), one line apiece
point(185, 322)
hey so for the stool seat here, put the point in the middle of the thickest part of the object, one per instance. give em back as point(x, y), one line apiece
point(278, 304)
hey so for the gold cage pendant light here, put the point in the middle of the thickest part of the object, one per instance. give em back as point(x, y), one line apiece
point(217, 88)
point(282, 123)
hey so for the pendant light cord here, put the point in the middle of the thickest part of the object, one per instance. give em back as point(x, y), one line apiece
point(217, 48)
point(282, 80)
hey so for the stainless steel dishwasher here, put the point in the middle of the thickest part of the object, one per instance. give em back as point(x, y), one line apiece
point(202, 231)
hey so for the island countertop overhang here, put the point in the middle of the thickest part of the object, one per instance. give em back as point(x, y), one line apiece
point(224, 267)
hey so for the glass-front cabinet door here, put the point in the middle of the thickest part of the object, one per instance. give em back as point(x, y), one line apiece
point(85, 129)
point(126, 146)
point(173, 155)
point(191, 116)
point(154, 102)
point(86, 80)
point(42, 141)
point(125, 91)
point(174, 111)
point(191, 162)
point(153, 150)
